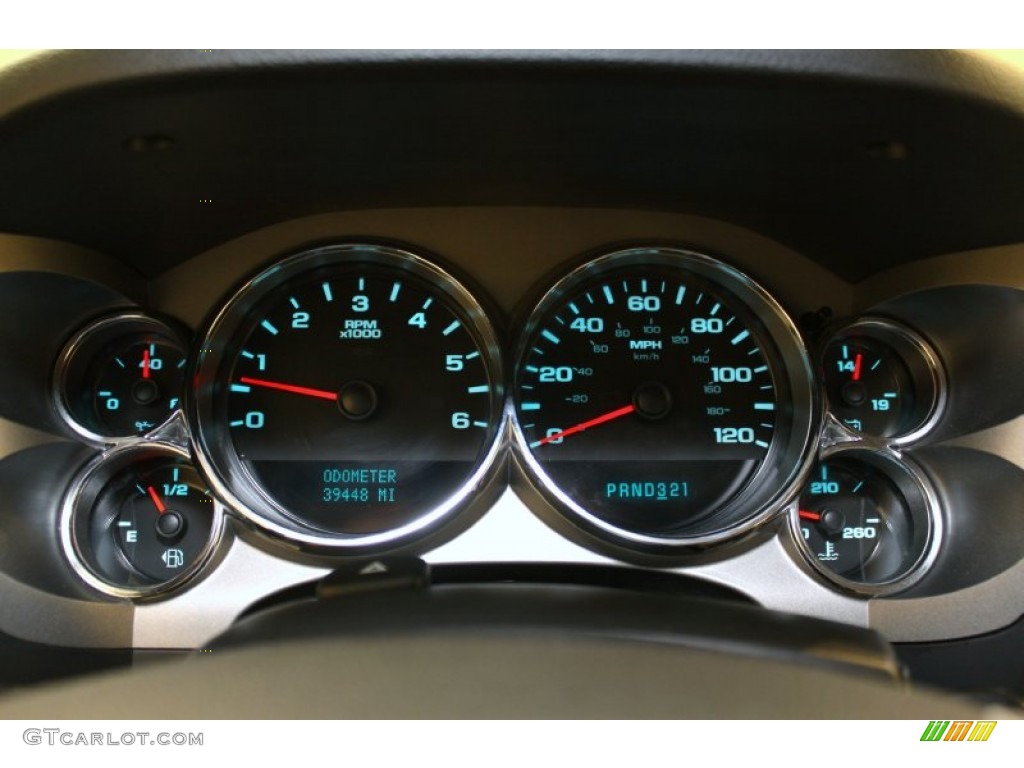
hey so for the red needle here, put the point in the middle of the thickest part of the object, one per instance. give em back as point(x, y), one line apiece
point(321, 393)
point(856, 367)
point(588, 424)
point(810, 515)
point(156, 500)
point(145, 363)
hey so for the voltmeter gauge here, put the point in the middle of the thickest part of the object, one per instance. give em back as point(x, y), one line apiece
point(120, 377)
point(139, 521)
point(867, 521)
point(882, 379)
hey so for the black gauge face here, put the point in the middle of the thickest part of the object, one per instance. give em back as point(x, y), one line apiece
point(652, 396)
point(356, 397)
point(883, 380)
point(869, 387)
point(865, 524)
point(142, 521)
point(121, 377)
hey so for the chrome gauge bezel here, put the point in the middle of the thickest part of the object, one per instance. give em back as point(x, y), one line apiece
point(232, 482)
point(906, 474)
point(922, 361)
point(89, 341)
point(764, 496)
point(89, 481)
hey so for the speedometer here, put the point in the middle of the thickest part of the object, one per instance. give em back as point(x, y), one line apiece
point(350, 398)
point(662, 400)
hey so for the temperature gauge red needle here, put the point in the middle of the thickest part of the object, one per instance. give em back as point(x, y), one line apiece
point(809, 515)
point(619, 412)
point(856, 366)
point(145, 363)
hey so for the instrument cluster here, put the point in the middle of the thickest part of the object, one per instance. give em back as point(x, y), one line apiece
point(359, 399)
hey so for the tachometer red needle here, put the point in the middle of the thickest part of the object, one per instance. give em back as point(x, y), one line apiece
point(809, 515)
point(321, 393)
point(145, 363)
point(856, 367)
point(588, 424)
point(156, 500)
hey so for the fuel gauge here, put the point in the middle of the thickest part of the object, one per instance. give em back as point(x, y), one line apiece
point(140, 521)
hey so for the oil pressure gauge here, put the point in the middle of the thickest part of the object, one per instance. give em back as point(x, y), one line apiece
point(120, 377)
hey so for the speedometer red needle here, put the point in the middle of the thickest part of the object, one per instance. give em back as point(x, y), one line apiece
point(588, 424)
point(156, 500)
point(145, 363)
point(321, 393)
point(809, 515)
point(856, 367)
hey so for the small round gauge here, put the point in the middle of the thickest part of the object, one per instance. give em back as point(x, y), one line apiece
point(120, 377)
point(350, 399)
point(883, 380)
point(662, 400)
point(867, 521)
point(139, 521)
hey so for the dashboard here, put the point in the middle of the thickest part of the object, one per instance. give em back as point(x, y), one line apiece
point(269, 319)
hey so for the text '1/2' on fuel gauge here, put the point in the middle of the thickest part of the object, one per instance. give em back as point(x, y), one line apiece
point(140, 521)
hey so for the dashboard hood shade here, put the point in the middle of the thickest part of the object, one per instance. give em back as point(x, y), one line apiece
point(857, 159)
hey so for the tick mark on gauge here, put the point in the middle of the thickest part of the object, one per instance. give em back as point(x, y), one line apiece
point(472, 354)
point(714, 309)
point(294, 302)
point(761, 369)
point(760, 443)
point(478, 389)
point(754, 351)
point(327, 292)
point(530, 406)
point(764, 406)
point(451, 328)
point(680, 294)
point(394, 292)
point(362, 284)
point(269, 327)
point(574, 308)
point(247, 355)
point(480, 424)
point(240, 388)
point(237, 423)
point(740, 337)
point(427, 303)
point(550, 337)
point(607, 295)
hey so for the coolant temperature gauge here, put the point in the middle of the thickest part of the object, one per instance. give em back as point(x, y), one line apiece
point(867, 521)
point(139, 521)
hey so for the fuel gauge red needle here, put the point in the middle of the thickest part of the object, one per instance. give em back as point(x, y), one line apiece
point(296, 390)
point(619, 412)
point(809, 515)
point(145, 363)
point(856, 366)
point(156, 499)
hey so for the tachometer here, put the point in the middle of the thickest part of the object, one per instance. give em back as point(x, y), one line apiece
point(662, 400)
point(350, 398)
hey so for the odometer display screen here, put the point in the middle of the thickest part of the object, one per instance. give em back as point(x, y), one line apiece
point(650, 396)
